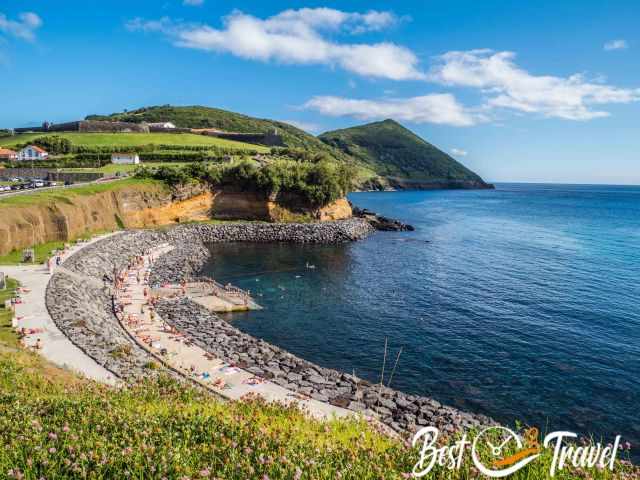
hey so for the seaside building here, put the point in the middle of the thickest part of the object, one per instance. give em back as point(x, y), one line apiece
point(6, 154)
point(125, 158)
point(32, 152)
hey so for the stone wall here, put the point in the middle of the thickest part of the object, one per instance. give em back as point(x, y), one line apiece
point(50, 174)
point(93, 126)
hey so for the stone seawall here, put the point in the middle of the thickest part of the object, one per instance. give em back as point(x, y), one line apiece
point(79, 300)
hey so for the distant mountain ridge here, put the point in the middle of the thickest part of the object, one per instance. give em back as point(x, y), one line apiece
point(401, 158)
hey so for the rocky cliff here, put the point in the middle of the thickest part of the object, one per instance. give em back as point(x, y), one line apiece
point(234, 205)
point(67, 217)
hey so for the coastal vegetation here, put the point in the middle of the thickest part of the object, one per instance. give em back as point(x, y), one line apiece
point(314, 183)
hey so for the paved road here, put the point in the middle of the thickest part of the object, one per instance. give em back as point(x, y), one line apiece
point(56, 347)
point(13, 193)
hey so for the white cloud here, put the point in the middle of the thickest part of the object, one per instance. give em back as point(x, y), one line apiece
point(23, 28)
point(459, 152)
point(441, 108)
point(306, 126)
point(193, 3)
point(299, 37)
point(505, 85)
point(616, 45)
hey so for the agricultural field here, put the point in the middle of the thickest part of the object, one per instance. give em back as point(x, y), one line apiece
point(112, 169)
point(133, 139)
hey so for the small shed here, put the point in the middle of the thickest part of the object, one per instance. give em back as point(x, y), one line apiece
point(125, 158)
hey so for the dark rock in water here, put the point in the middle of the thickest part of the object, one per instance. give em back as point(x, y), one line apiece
point(379, 222)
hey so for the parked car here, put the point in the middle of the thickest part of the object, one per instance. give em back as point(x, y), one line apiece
point(51, 183)
point(37, 184)
point(68, 182)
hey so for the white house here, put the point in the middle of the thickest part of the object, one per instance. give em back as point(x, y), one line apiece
point(125, 158)
point(161, 125)
point(32, 152)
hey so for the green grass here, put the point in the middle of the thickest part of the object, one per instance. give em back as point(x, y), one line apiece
point(66, 194)
point(43, 252)
point(55, 425)
point(112, 168)
point(133, 139)
point(7, 335)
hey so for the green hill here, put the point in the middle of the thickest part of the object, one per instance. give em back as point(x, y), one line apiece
point(386, 153)
point(207, 117)
point(401, 157)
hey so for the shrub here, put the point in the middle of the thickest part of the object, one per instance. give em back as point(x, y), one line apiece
point(54, 144)
point(317, 184)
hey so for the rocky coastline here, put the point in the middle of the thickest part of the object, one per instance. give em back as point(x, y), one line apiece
point(79, 301)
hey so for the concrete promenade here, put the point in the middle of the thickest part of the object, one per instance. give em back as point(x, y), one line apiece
point(32, 315)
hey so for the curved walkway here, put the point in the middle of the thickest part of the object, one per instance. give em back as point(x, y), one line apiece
point(32, 314)
point(180, 354)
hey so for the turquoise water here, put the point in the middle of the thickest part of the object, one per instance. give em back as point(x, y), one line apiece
point(520, 303)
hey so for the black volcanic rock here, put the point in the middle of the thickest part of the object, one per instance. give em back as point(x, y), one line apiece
point(379, 222)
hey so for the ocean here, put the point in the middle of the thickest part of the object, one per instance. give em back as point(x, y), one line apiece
point(522, 303)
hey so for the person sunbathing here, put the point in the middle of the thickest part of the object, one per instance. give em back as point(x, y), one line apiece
point(219, 383)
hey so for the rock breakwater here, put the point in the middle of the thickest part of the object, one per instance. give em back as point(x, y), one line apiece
point(79, 300)
point(400, 411)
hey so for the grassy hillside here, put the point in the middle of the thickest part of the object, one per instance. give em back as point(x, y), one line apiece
point(55, 425)
point(392, 150)
point(206, 117)
point(133, 139)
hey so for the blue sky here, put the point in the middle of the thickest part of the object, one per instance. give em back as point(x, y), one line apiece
point(518, 91)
